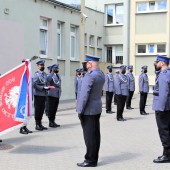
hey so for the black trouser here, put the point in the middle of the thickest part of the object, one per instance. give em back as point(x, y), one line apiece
point(163, 123)
point(121, 99)
point(39, 105)
point(115, 98)
point(46, 106)
point(109, 96)
point(52, 107)
point(142, 103)
point(91, 131)
point(129, 99)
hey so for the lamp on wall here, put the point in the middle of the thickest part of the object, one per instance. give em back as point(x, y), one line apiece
point(6, 11)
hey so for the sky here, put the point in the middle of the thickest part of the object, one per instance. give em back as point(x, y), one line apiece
point(70, 1)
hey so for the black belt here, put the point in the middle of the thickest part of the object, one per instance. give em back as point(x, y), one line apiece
point(157, 94)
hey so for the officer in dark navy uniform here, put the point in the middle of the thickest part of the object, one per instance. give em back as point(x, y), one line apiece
point(89, 108)
point(54, 80)
point(109, 88)
point(115, 96)
point(122, 91)
point(161, 105)
point(131, 81)
point(78, 81)
point(40, 89)
point(143, 89)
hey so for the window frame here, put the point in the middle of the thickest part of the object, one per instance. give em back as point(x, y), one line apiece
point(151, 53)
point(73, 34)
point(45, 28)
point(148, 7)
point(114, 22)
point(59, 32)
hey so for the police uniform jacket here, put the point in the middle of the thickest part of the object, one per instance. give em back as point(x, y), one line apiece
point(39, 80)
point(143, 83)
point(161, 99)
point(131, 81)
point(77, 83)
point(121, 85)
point(89, 101)
point(54, 80)
point(109, 82)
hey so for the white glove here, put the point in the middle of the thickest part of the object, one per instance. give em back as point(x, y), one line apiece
point(46, 88)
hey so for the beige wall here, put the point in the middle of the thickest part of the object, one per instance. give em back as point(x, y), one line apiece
point(144, 29)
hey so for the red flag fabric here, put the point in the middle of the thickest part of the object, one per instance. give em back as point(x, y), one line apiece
point(10, 85)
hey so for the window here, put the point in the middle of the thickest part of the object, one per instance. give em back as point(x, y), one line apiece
point(91, 41)
point(44, 37)
point(152, 6)
point(58, 40)
point(114, 14)
point(161, 48)
point(151, 49)
point(109, 55)
point(99, 42)
point(141, 48)
point(73, 43)
point(114, 54)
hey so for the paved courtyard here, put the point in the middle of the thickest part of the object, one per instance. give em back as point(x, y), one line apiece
point(129, 145)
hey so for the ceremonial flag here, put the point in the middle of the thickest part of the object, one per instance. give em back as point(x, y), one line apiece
point(15, 93)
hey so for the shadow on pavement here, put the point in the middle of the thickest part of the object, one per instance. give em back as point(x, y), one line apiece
point(118, 158)
point(21, 139)
point(33, 149)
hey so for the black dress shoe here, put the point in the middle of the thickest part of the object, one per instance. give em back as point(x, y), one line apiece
point(130, 108)
point(86, 164)
point(38, 127)
point(43, 127)
point(110, 112)
point(162, 159)
point(26, 129)
point(146, 113)
point(142, 113)
point(121, 119)
point(0, 140)
point(56, 124)
point(51, 124)
point(23, 131)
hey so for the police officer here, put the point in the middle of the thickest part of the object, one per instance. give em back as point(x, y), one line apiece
point(115, 96)
point(53, 95)
point(161, 105)
point(78, 80)
point(40, 88)
point(49, 69)
point(143, 89)
point(131, 81)
point(122, 91)
point(46, 102)
point(89, 108)
point(109, 88)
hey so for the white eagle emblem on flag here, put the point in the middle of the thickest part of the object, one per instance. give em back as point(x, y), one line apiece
point(11, 99)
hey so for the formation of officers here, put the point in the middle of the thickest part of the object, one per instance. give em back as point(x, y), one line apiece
point(46, 91)
point(89, 105)
point(89, 83)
